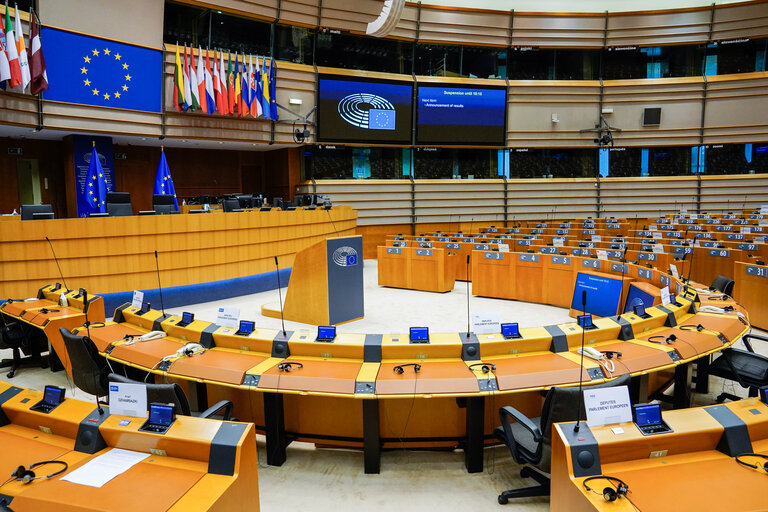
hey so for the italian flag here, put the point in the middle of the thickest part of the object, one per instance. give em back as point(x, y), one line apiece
point(10, 49)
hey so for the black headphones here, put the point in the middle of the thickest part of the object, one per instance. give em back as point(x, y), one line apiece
point(400, 369)
point(287, 366)
point(609, 493)
point(763, 466)
point(485, 367)
point(27, 475)
point(610, 353)
point(697, 327)
point(662, 339)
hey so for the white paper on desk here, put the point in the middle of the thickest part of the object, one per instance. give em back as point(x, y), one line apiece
point(138, 298)
point(104, 468)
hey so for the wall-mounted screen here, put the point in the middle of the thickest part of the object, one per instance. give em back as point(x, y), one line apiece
point(603, 294)
point(363, 110)
point(461, 115)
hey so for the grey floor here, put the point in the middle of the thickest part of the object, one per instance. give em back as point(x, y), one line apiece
point(315, 479)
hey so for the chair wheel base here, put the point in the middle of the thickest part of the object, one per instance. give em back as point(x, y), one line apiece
point(503, 500)
point(11, 374)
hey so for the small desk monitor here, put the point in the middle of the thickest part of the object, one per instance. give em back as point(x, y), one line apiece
point(585, 322)
point(145, 306)
point(510, 331)
point(326, 333)
point(419, 335)
point(52, 397)
point(246, 328)
point(647, 417)
point(186, 319)
point(763, 393)
point(639, 310)
point(161, 416)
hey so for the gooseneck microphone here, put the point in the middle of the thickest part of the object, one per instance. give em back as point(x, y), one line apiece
point(280, 295)
point(57, 263)
point(690, 265)
point(159, 286)
point(332, 224)
point(623, 269)
point(467, 296)
point(581, 364)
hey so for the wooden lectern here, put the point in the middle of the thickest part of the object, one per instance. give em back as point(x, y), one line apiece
point(326, 285)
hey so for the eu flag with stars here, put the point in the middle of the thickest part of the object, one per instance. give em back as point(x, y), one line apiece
point(94, 195)
point(164, 182)
point(94, 71)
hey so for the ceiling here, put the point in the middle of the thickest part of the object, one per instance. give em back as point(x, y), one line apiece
point(580, 6)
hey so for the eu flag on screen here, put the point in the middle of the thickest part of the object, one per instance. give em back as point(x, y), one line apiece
point(93, 198)
point(95, 71)
point(381, 119)
point(164, 182)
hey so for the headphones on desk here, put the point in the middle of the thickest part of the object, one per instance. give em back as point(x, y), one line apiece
point(663, 339)
point(609, 354)
point(25, 475)
point(763, 466)
point(400, 369)
point(609, 493)
point(287, 366)
point(485, 367)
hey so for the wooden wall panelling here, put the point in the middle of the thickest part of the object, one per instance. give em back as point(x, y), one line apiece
point(554, 198)
point(647, 197)
point(262, 8)
point(740, 20)
point(464, 26)
point(18, 109)
point(743, 191)
point(351, 16)
point(51, 164)
point(452, 200)
point(302, 12)
point(658, 28)
point(735, 108)
point(376, 201)
point(406, 27)
point(563, 30)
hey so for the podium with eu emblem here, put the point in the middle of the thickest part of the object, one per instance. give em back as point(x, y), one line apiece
point(326, 285)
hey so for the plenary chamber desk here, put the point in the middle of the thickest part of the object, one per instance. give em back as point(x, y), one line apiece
point(349, 393)
point(198, 464)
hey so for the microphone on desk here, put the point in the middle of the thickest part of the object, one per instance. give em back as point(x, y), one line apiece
point(332, 223)
point(57, 264)
point(623, 263)
point(159, 286)
point(581, 364)
point(467, 296)
point(280, 295)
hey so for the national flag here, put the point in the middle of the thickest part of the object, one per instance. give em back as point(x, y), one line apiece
point(201, 81)
point(272, 91)
point(37, 61)
point(254, 84)
point(209, 96)
point(187, 90)
point(5, 69)
point(232, 109)
point(224, 110)
point(238, 88)
point(21, 49)
point(163, 180)
point(11, 51)
point(245, 103)
point(216, 83)
point(94, 193)
point(265, 91)
point(178, 83)
point(193, 82)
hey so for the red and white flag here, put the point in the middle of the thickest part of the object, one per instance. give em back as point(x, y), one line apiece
point(37, 61)
point(10, 50)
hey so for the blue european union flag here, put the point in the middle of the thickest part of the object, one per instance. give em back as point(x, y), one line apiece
point(351, 260)
point(93, 198)
point(163, 180)
point(381, 119)
point(95, 71)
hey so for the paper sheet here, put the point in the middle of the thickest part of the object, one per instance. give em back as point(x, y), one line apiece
point(105, 467)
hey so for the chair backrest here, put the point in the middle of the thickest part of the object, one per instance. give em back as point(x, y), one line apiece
point(231, 205)
point(723, 284)
point(28, 211)
point(163, 203)
point(12, 335)
point(89, 370)
point(119, 204)
point(160, 393)
point(562, 404)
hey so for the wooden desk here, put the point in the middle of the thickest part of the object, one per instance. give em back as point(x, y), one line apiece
point(750, 289)
point(415, 268)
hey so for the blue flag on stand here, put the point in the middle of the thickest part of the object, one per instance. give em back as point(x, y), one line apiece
point(272, 91)
point(164, 182)
point(94, 196)
point(95, 71)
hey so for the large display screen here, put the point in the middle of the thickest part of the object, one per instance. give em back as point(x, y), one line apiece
point(603, 294)
point(363, 111)
point(461, 115)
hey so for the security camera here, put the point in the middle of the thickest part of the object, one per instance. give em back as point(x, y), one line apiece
point(301, 135)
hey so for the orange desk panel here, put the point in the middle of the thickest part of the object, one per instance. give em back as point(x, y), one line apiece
point(103, 336)
point(216, 365)
point(20, 450)
point(689, 343)
point(146, 353)
point(535, 371)
point(316, 375)
point(16, 308)
point(636, 357)
point(433, 378)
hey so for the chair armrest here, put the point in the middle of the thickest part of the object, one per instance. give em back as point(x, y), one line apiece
point(212, 410)
point(522, 419)
point(748, 337)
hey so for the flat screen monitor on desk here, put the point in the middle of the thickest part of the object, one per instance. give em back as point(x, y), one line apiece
point(145, 306)
point(585, 322)
point(161, 416)
point(603, 294)
point(326, 333)
point(647, 417)
point(637, 296)
point(52, 397)
point(510, 331)
point(419, 335)
point(186, 319)
point(246, 328)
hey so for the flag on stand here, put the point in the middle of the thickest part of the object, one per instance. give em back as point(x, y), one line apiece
point(265, 91)
point(224, 109)
point(94, 193)
point(178, 82)
point(209, 93)
point(37, 61)
point(200, 75)
point(185, 83)
point(5, 68)
point(232, 110)
point(272, 91)
point(163, 180)
point(255, 86)
point(245, 103)
point(238, 88)
point(216, 83)
point(193, 82)
point(10, 49)
point(21, 50)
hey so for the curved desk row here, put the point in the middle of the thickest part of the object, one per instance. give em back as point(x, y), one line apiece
point(348, 392)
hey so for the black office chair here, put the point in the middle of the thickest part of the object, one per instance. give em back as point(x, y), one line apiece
point(530, 439)
point(36, 211)
point(12, 337)
point(173, 394)
point(230, 205)
point(119, 204)
point(746, 367)
point(723, 285)
point(89, 369)
point(163, 203)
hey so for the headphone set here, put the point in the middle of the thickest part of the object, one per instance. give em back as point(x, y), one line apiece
point(400, 369)
point(697, 328)
point(662, 339)
point(485, 367)
point(287, 366)
point(609, 354)
point(45, 311)
point(26, 475)
point(609, 493)
point(763, 466)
